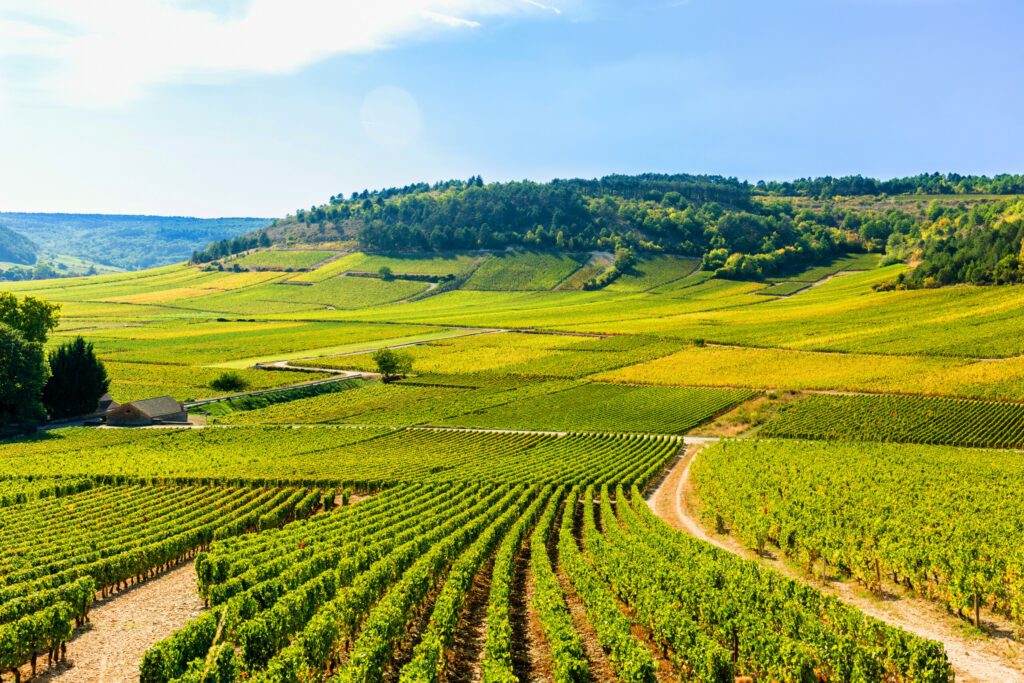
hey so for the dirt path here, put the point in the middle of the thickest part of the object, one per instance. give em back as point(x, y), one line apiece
point(601, 670)
point(467, 649)
point(531, 656)
point(974, 658)
point(125, 625)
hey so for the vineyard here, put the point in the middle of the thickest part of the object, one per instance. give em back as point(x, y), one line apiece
point(424, 400)
point(911, 419)
point(356, 581)
point(610, 408)
point(58, 555)
point(337, 593)
point(363, 458)
point(524, 271)
point(283, 259)
point(483, 401)
point(879, 513)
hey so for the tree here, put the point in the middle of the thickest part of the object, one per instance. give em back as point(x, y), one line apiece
point(386, 273)
point(33, 318)
point(77, 380)
point(23, 374)
point(392, 364)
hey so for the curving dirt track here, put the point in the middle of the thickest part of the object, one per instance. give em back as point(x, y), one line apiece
point(975, 659)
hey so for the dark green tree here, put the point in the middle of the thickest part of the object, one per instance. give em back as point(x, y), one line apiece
point(23, 374)
point(77, 380)
point(392, 364)
point(34, 318)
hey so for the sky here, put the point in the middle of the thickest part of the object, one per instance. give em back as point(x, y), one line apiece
point(260, 107)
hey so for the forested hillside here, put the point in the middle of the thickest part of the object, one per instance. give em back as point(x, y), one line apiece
point(15, 248)
point(702, 216)
point(739, 230)
point(979, 244)
point(128, 242)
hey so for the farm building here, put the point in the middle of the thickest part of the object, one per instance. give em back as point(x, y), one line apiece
point(152, 411)
point(106, 404)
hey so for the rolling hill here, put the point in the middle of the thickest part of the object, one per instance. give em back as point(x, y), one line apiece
point(125, 242)
point(16, 248)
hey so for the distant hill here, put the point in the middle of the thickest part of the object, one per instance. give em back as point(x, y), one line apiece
point(16, 248)
point(128, 242)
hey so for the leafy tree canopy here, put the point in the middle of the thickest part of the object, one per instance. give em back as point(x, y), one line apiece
point(23, 374)
point(392, 364)
point(33, 318)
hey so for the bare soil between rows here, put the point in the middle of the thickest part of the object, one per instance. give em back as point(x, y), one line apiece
point(124, 626)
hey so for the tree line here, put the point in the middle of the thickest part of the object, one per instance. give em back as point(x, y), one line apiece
point(229, 247)
point(34, 385)
point(924, 183)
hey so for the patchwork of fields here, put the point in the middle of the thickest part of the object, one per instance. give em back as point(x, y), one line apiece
point(505, 479)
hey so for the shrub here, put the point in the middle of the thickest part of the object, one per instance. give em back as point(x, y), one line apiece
point(229, 381)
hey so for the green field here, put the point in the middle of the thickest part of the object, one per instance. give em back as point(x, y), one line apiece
point(784, 288)
point(135, 381)
point(286, 260)
point(522, 271)
point(609, 408)
point(399, 404)
point(902, 418)
point(400, 264)
point(521, 355)
point(652, 272)
point(852, 262)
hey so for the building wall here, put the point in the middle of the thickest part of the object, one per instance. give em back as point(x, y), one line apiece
point(127, 416)
point(175, 418)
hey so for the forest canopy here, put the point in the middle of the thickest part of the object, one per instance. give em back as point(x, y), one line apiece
point(739, 230)
point(925, 183)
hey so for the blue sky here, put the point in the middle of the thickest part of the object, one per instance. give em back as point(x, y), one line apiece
point(257, 107)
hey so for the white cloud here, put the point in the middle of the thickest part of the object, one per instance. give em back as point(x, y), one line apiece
point(448, 20)
point(107, 52)
point(541, 5)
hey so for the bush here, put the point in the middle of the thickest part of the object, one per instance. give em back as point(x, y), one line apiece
point(230, 381)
